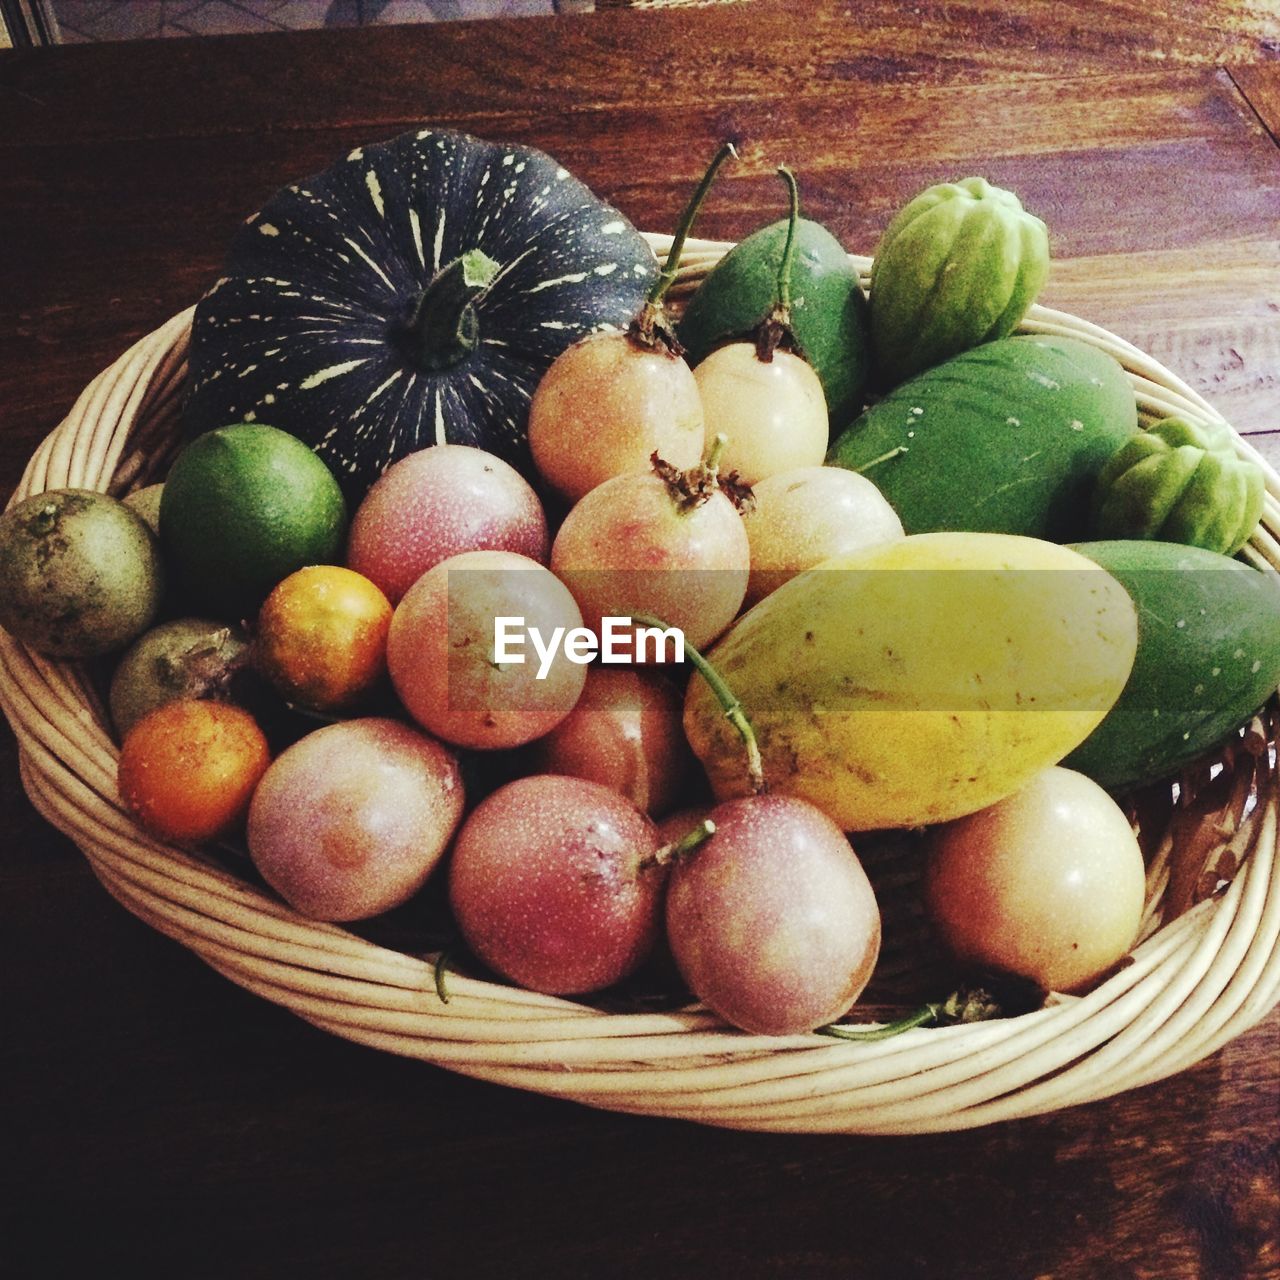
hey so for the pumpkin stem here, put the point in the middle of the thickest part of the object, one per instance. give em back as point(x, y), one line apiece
point(442, 329)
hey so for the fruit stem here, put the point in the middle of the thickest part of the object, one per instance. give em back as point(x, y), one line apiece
point(712, 463)
point(922, 1017)
point(975, 1004)
point(884, 457)
point(680, 848)
point(789, 249)
point(728, 701)
point(439, 970)
point(209, 664)
point(442, 330)
point(690, 489)
point(672, 266)
point(45, 520)
point(776, 326)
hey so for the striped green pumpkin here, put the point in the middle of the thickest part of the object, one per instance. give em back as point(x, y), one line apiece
point(410, 295)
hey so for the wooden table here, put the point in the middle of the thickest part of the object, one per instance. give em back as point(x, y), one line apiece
point(158, 1120)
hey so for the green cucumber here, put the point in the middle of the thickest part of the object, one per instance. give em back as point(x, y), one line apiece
point(1006, 438)
point(1208, 658)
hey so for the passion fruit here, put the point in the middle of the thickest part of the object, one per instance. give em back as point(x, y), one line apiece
point(182, 658)
point(80, 573)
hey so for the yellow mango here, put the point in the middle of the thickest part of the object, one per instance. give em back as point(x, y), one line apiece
point(921, 680)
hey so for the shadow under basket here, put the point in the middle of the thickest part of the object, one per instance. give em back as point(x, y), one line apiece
point(1205, 969)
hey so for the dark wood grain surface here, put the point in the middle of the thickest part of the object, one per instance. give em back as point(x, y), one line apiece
point(155, 1119)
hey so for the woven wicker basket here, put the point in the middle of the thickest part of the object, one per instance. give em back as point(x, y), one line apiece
point(1206, 969)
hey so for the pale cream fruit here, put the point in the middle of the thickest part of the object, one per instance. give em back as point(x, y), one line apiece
point(773, 412)
point(605, 407)
point(1048, 884)
point(808, 515)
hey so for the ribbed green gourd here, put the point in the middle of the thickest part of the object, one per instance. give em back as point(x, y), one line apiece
point(1182, 482)
point(957, 266)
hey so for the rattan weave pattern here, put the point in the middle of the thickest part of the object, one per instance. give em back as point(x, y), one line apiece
point(1193, 983)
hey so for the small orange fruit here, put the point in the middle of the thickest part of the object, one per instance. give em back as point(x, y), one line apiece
point(322, 637)
point(188, 769)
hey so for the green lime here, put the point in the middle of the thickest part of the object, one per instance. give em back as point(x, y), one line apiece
point(243, 507)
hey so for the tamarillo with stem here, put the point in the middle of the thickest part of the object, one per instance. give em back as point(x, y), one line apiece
point(610, 401)
point(669, 543)
point(760, 391)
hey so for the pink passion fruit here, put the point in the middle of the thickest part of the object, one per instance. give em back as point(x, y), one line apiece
point(772, 920)
point(626, 734)
point(553, 884)
point(350, 820)
point(438, 503)
point(443, 660)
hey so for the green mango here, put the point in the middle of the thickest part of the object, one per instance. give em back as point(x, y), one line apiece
point(958, 265)
point(1208, 657)
point(1006, 438)
point(1183, 482)
point(828, 309)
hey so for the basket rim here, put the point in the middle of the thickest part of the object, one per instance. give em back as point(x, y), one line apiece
point(1192, 984)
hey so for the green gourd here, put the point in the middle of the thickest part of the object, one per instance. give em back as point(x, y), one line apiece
point(957, 266)
point(1183, 482)
point(1006, 438)
point(1208, 657)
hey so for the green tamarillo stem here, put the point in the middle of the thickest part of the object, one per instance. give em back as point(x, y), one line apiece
point(669, 271)
point(775, 328)
point(789, 249)
point(974, 1004)
point(727, 699)
point(712, 463)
